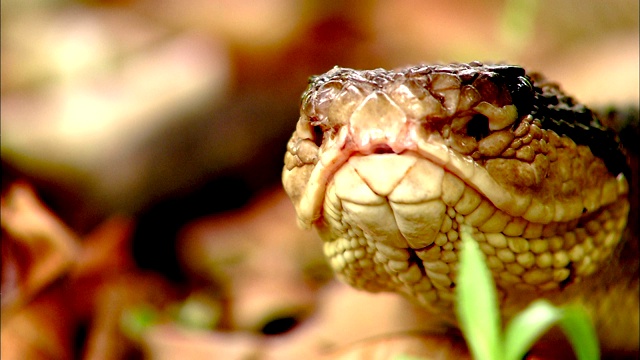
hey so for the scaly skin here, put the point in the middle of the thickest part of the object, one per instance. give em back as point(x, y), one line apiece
point(387, 165)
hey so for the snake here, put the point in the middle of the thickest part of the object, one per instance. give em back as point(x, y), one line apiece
point(389, 166)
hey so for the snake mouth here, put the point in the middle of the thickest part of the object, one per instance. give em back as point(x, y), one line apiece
point(390, 215)
point(416, 143)
point(400, 231)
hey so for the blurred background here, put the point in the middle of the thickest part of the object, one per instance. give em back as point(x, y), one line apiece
point(142, 144)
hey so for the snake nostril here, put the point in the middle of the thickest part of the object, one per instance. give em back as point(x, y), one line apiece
point(279, 325)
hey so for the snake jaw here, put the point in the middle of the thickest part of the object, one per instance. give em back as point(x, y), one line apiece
point(387, 166)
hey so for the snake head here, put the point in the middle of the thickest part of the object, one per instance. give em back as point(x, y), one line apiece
point(388, 165)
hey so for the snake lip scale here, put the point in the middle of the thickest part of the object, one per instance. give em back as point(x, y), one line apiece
point(389, 165)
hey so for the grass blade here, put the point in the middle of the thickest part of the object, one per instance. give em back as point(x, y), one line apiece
point(527, 326)
point(476, 302)
point(577, 326)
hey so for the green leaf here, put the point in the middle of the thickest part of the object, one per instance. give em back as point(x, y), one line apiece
point(199, 311)
point(477, 302)
point(135, 320)
point(577, 326)
point(517, 23)
point(527, 326)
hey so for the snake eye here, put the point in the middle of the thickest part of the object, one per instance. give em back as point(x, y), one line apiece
point(478, 127)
